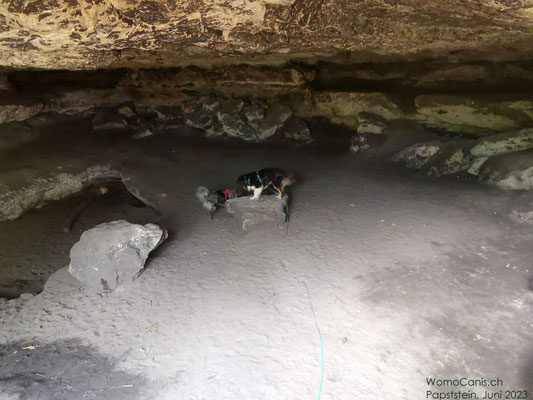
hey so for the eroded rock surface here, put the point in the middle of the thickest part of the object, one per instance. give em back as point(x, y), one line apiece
point(27, 188)
point(475, 115)
point(62, 34)
point(513, 171)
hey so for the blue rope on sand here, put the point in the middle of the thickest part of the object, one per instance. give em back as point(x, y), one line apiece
point(321, 343)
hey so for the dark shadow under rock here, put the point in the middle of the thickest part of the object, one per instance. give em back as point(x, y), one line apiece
point(63, 370)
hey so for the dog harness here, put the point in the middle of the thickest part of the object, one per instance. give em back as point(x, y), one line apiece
point(258, 177)
point(229, 194)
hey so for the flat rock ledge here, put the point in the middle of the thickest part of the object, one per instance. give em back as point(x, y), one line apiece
point(269, 212)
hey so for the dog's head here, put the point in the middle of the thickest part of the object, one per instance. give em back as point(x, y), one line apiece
point(210, 200)
point(242, 181)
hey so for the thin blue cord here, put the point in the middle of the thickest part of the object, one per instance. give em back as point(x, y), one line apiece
point(321, 343)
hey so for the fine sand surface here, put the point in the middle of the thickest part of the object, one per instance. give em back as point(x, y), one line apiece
point(389, 278)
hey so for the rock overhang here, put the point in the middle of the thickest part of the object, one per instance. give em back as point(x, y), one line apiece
point(94, 34)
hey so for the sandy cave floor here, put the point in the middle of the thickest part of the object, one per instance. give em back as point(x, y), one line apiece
point(408, 279)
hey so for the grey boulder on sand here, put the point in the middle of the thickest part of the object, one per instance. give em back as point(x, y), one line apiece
point(270, 212)
point(113, 253)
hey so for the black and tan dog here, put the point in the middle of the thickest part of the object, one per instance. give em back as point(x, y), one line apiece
point(258, 181)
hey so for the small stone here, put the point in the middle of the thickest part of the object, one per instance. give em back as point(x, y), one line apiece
point(127, 111)
point(359, 143)
point(26, 296)
point(141, 133)
point(113, 253)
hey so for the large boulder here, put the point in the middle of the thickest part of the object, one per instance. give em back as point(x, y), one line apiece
point(270, 212)
point(513, 171)
point(296, 129)
point(453, 158)
point(474, 115)
point(504, 143)
point(274, 119)
point(233, 124)
point(345, 107)
point(370, 123)
point(19, 111)
point(418, 154)
point(254, 114)
point(113, 253)
point(25, 188)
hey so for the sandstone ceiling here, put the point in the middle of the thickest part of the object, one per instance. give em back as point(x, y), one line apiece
point(91, 34)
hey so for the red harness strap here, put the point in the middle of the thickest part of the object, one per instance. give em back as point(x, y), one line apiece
point(229, 194)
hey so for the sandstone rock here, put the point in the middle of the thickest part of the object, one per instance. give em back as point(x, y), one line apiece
point(470, 115)
point(359, 143)
point(274, 119)
point(254, 114)
point(127, 111)
point(64, 34)
point(200, 118)
point(370, 123)
point(296, 129)
point(27, 188)
point(417, 155)
point(211, 103)
point(462, 73)
point(113, 253)
point(269, 213)
point(19, 111)
point(105, 119)
point(168, 113)
point(26, 296)
point(454, 157)
point(512, 171)
point(504, 143)
point(233, 124)
point(141, 133)
point(344, 107)
point(521, 207)
point(476, 164)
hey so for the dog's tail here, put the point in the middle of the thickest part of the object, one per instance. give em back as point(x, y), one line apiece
point(289, 179)
point(201, 193)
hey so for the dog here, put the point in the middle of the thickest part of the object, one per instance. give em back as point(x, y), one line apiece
point(213, 200)
point(258, 181)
